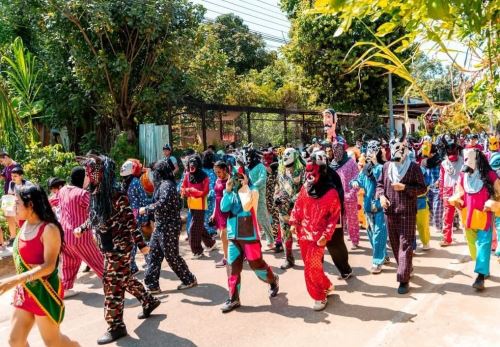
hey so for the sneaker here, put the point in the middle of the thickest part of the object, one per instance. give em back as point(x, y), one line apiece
point(445, 243)
point(221, 263)
point(376, 269)
point(187, 286)
point(68, 293)
point(287, 265)
point(426, 247)
point(211, 248)
point(5, 252)
point(479, 283)
point(154, 291)
point(112, 335)
point(345, 276)
point(230, 305)
point(319, 305)
point(404, 288)
point(146, 311)
point(197, 256)
point(387, 260)
point(275, 287)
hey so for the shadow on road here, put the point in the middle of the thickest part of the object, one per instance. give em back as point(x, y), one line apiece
point(212, 295)
point(150, 334)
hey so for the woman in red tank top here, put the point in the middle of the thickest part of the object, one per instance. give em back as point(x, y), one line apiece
point(38, 291)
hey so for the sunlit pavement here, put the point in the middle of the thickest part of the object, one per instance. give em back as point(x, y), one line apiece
point(442, 309)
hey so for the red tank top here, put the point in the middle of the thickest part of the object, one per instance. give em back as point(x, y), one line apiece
point(32, 251)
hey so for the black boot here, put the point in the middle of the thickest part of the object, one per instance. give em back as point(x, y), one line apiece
point(479, 282)
point(404, 288)
point(278, 248)
point(146, 311)
point(112, 335)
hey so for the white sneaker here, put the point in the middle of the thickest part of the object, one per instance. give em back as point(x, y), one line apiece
point(426, 247)
point(68, 293)
point(320, 305)
point(210, 249)
point(5, 252)
point(376, 269)
point(197, 256)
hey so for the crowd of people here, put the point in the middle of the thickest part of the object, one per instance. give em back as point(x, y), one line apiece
point(245, 196)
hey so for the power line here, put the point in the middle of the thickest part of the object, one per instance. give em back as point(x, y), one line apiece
point(268, 4)
point(250, 9)
point(247, 21)
point(265, 36)
point(279, 12)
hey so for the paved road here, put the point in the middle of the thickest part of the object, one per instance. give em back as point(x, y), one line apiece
point(442, 309)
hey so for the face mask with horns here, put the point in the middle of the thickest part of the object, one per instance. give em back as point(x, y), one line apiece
point(399, 148)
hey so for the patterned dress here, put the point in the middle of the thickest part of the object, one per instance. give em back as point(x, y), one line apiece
point(258, 179)
point(350, 223)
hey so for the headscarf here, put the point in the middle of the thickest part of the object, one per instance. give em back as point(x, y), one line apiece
point(198, 175)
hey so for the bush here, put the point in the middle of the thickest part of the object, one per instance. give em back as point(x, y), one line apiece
point(123, 149)
point(41, 163)
point(88, 143)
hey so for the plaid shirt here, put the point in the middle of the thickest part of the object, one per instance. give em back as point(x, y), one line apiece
point(431, 176)
point(406, 200)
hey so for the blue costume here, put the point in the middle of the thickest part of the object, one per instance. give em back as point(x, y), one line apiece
point(210, 200)
point(258, 177)
point(377, 231)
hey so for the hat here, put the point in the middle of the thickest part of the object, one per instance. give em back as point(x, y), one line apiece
point(167, 147)
point(54, 182)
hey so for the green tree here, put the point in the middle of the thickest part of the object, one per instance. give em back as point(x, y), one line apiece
point(245, 50)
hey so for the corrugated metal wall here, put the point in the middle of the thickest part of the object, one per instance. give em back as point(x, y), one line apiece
point(152, 138)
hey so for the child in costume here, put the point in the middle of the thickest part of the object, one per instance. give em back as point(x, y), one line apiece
point(289, 181)
point(241, 201)
point(476, 195)
point(314, 219)
point(367, 180)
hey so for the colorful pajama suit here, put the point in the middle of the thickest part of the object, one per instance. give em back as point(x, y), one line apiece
point(479, 238)
point(401, 215)
point(314, 218)
point(164, 242)
point(424, 212)
point(258, 179)
point(271, 208)
point(350, 223)
point(288, 185)
point(244, 242)
point(138, 198)
point(210, 200)
point(448, 178)
point(116, 238)
point(377, 230)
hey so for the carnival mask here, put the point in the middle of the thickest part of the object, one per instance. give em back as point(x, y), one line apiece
point(338, 150)
point(426, 147)
point(493, 144)
point(329, 123)
point(495, 161)
point(451, 146)
point(289, 156)
point(319, 157)
point(399, 148)
point(131, 167)
point(470, 160)
point(372, 150)
point(94, 169)
point(268, 158)
point(194, 164)
point(313, 172)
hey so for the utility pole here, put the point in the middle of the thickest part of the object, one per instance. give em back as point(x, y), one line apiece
point(391, 110)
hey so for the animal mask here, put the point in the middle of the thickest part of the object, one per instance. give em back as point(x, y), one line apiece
point(470, 160)
point(268, 158)
point(493, 144)
point(320, 157)
point(399, 148)
point(452, 149)
point(289, 156)
point(372, 150)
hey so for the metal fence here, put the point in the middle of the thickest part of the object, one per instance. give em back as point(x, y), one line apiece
point(152, 138)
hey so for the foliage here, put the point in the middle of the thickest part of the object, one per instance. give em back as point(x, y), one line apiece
point(123, 149)
point(245, 50)
point(41, 163)
point(88, 142)
point(473, 24)
point(325, 60)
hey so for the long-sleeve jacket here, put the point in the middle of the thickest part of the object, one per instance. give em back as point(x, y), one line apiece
point(315, 217)
point(240, 205)
point(119, 232)
point(402, 202)
point(166, 205)
point(138, 198)
point(347, 173)
point(196, 193)
point(369, 185)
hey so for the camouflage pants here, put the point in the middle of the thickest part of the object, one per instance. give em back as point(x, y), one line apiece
point(116, 280)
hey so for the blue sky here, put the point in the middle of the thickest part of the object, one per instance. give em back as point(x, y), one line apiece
point(262, 16)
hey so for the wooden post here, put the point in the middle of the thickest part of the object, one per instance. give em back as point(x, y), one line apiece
point(221, 128)
point(249, 127)
point(204, 127)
